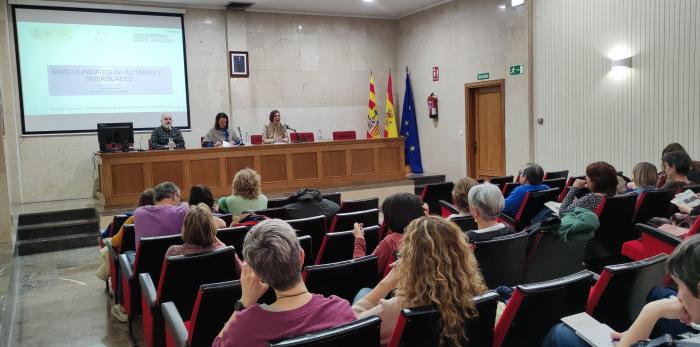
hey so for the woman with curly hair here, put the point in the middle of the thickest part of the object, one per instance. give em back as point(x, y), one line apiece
point(436, 267)
point(246, 195)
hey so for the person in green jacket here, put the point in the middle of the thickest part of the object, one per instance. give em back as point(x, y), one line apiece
point(246, 195)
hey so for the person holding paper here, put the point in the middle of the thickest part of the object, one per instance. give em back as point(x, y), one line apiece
point(166, 136)
point(220, 133)
point(275, 132)
point(684, 267)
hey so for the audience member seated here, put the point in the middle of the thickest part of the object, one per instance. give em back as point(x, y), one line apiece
point(274, 259)
point(460, 196)
point(531, 181)
point(438, 268)
point(145, 199)
point(601, 180)
point(694, 173)
point(644, 177)
point(310, 203)
point(201, 194)
point(398, 210)
point(165, 217)
point(198, 233)
point(676, 165)
point(246, 194)
point(684, 267)
point(486, 204)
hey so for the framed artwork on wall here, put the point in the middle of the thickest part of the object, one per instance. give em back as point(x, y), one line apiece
point(238, 64)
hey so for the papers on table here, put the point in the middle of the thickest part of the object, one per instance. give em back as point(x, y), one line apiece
point(687, 197)
point(595, 333)
point(553, 205)
point(227, 144)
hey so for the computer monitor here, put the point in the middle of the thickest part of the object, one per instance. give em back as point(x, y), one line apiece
point(115, 137)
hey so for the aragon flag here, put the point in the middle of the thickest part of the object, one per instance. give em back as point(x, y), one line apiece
point(390, 118)
point(372, 122)
point(409, 130)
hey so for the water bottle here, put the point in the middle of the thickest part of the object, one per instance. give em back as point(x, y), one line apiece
point(320, 135)
point(171, 143)
point(247, 138)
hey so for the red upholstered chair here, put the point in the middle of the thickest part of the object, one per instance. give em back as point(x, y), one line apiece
point(434, 192)
point(180, 279)
point(311, 226)
point(654, 241)
point(339, 246)
point(302, 137)
point(535, 308)
point(661, 181)
point(362, 332)
point(358, 205)
point(344, 135)
point(234, 237)
point(556, 174)
point(256, 139)
point(532, 204)
point(500, 181)
point(508, 188)
point(653, 204)
point(418, 327)
point(620, 292)
point(497, 268)
point(277, 212)
point(572, 179)
point(447, 208)
point(555, 182)
point(344, 278)
point(346, 221)
point(543, 247)
point(615, 215)
point(335, 197)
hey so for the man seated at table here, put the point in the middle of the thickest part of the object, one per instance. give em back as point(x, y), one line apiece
point(161, 136)
point(165, 217)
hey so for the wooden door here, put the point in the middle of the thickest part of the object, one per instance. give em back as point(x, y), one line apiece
point(486, 135)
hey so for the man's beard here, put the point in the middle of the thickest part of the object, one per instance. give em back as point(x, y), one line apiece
point(167, 127)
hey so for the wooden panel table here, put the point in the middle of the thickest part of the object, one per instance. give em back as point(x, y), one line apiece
point(283, 167)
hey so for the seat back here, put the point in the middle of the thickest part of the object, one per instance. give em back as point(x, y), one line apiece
point(508, 187)
point(213, 308)
point(543, 248)
point(181, 276)
point(358, 205)
point(434, 192)
point(312, 226)
point(255, 139)
point(233, 237)
point(501, 181)
point(362, 332)
point(335, 197)
point(306, 244)
point(226, 217)
point(556, 174)
point(616, 227)
point(277, 212)
point(465, 223)
point(694, 187)
point(128, 239)
point(117, 223)
point(340, 245)
point(502, 259)
point(302, 137)
point(422, 326)
point(344, 135)
point(573, 179)
point(447, 208)
point(555, 183)
point(620, 293)
point(346, 221)
point(274, 203)
point(344, 278)
point(535, 308)
point(532, 204)
point(150, 254)
point(653, 204)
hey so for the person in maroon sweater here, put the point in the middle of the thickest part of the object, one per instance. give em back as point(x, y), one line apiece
point(398, 210)
point(274, 259)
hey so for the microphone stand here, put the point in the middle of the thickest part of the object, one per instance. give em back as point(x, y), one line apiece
point(240, 136)
point(299, 138)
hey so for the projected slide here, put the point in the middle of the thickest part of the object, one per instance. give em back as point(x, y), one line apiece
point(80, 68)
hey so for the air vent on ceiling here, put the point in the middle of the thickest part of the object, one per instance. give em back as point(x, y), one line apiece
point(239, 5)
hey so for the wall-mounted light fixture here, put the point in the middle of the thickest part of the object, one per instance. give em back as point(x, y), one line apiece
point(514, 3)
point(620, 62)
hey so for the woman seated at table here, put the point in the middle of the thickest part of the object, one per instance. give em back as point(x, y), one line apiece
point(220, 133)
point(275, 132)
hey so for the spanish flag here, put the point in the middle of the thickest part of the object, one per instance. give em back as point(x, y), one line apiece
point(372, 123)
point(390, 119)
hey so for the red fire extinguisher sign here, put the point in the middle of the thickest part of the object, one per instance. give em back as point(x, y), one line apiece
point(436, 73)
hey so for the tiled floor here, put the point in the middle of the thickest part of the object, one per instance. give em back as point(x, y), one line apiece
point(61, 303)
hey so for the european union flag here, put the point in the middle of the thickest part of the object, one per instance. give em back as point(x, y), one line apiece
point(409, 130)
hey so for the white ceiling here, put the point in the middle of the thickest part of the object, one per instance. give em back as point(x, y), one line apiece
point(349, 8)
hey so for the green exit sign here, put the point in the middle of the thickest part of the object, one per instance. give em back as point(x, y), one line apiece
point(517, 70)
point(482, 76)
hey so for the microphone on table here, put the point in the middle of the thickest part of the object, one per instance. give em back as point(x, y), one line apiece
point(286, 126)
point(240, 137)
point(299, 138)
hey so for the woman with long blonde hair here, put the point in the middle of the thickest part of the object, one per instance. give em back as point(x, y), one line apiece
point(436, 267)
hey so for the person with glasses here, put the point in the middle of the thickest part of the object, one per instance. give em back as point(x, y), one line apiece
point(165, 217)
point(166, 136)
point(530, 179)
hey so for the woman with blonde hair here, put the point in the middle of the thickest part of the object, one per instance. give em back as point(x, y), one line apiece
point(644, 177)
point(198, 232)
point(436, 267)
point(460, 196)
point(246, 195)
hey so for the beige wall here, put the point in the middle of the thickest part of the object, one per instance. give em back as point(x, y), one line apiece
point(5, 89)
point(464, 38)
